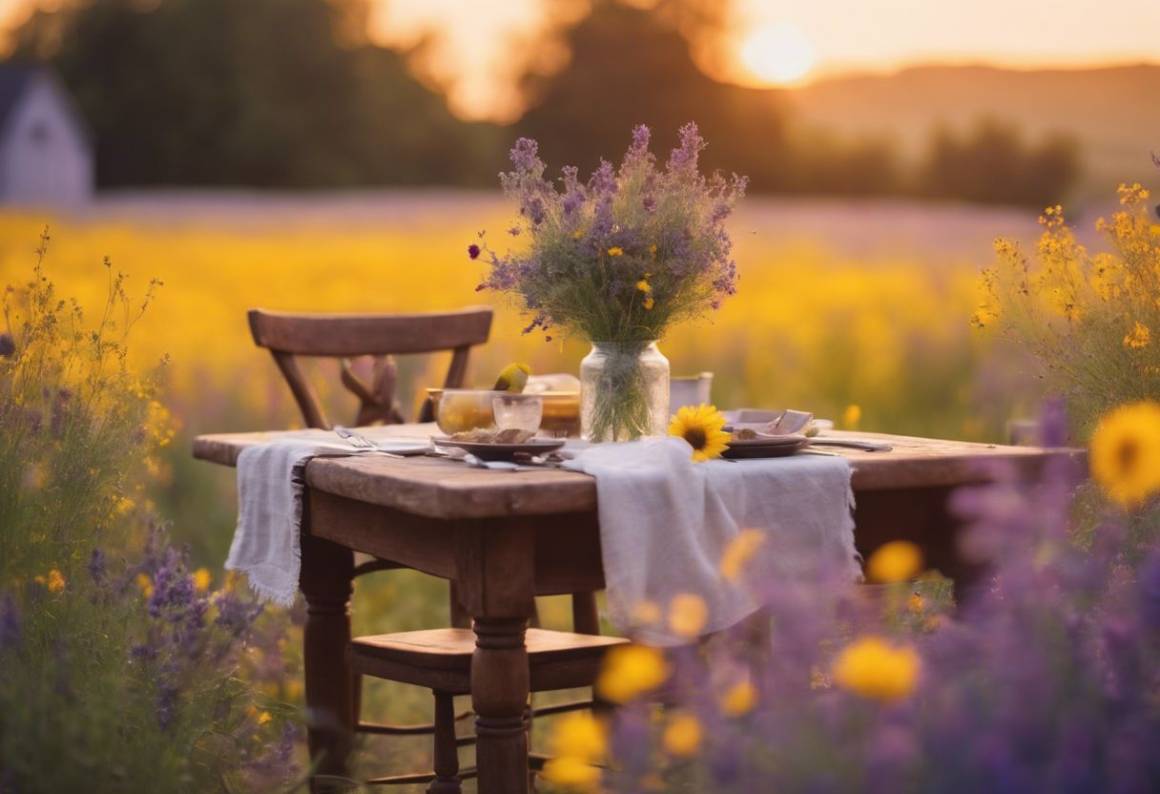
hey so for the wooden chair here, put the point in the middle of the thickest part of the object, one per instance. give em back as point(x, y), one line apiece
point(440, 660)
point(382, 336)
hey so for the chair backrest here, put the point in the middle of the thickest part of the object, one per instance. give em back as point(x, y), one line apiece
point(381, 336)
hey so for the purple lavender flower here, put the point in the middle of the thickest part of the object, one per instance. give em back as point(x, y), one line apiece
point(10, 624)
point(96, 566)
point(534, 210)
point(523, 155)
point(1150, 591)
point(575, 226)
point(473, 251)
point(166, 706)
point(685, 156)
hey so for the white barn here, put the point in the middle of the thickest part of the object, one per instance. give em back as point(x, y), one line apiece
point(46, 157)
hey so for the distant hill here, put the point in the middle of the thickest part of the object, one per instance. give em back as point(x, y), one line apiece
point(1114, 112)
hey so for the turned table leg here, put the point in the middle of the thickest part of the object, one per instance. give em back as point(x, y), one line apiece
point(325, 581)
point(499, 694)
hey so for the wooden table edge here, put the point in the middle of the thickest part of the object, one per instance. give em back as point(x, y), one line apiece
point(574, 492)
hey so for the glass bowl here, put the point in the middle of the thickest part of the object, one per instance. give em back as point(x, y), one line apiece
point(460, 410)
point(518, 411)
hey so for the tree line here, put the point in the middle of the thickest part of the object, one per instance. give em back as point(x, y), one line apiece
point(292, 93)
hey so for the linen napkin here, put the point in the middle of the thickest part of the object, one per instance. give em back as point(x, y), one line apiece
point(665, 522)
point(271, 478)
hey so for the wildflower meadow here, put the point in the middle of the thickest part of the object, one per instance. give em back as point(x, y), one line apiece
point(1042, 676)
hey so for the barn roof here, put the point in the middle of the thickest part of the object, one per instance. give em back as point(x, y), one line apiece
point(14, 79)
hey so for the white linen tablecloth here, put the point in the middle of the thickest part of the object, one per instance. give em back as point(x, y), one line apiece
point(267, 542)
point(665, 522)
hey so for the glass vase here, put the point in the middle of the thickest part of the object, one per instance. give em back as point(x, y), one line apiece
point(624, 391)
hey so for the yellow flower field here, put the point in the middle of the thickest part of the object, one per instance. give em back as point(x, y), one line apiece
point(810, 327)
point(813, 326)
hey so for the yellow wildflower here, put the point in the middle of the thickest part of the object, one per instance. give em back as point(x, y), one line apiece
point(739, 552)
point(616, 250)
point(643, 286)
point(895, 561)
point(55, 581)
point(682, 736)
point(571, 774)
point(630, 671)
point(851, 416)
point(576, 235)
point(145, 585)
point(1132, 194)
point(201, 579)
point(652, 249)
point(687, 614)
point(739, 699)
point(915, 604)
point(1125, 453)
point(703, 427)
point(579, 735)
point(264, 717)
point(875, 669)
point(1138, 337)
point(648, 303)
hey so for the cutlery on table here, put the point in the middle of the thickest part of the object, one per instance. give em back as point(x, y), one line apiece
point(850, 443)
point(359, 441)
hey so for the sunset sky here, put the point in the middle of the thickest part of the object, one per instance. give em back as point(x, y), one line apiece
point(778, 42)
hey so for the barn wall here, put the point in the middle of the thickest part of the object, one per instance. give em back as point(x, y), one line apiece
point(45, 160)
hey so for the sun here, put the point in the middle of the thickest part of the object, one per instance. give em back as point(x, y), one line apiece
point(777, 53)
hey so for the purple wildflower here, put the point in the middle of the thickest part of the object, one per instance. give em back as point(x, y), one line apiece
point(1150, 590)
point(602, 183)
point(10, 629)
point(534, 210)
point(473, 251)
point(523, 154)
point(685, 156)
point(96, 566)
point(166, 706)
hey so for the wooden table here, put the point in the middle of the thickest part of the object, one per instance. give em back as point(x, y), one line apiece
point(503, 538)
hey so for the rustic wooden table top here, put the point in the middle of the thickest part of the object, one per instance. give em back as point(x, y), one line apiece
point(445, 489)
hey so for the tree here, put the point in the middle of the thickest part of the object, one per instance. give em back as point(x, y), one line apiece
point(992, 164)
point(261, 92)
point(628, 66)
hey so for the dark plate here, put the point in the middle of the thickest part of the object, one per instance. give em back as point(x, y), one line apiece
point(766, 447)
point(485, 451)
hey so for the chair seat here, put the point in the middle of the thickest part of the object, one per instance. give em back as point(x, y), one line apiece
point(440, 659)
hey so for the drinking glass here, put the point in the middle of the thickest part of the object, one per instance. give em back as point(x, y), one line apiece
point(518, 411)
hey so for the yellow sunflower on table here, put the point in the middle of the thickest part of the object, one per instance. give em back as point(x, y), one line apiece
point(1125, 453)
point(703, 427)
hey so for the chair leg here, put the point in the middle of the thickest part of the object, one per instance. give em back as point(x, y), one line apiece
point(446, 749)
point(585, 618)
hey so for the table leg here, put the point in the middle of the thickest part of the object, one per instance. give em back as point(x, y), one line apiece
point(920, 515)
point(325, 581)
point(499, 694)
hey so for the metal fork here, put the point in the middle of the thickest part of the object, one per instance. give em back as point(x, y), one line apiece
point(359, 441)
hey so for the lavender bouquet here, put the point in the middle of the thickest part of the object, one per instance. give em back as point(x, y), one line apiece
point(616, 260)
